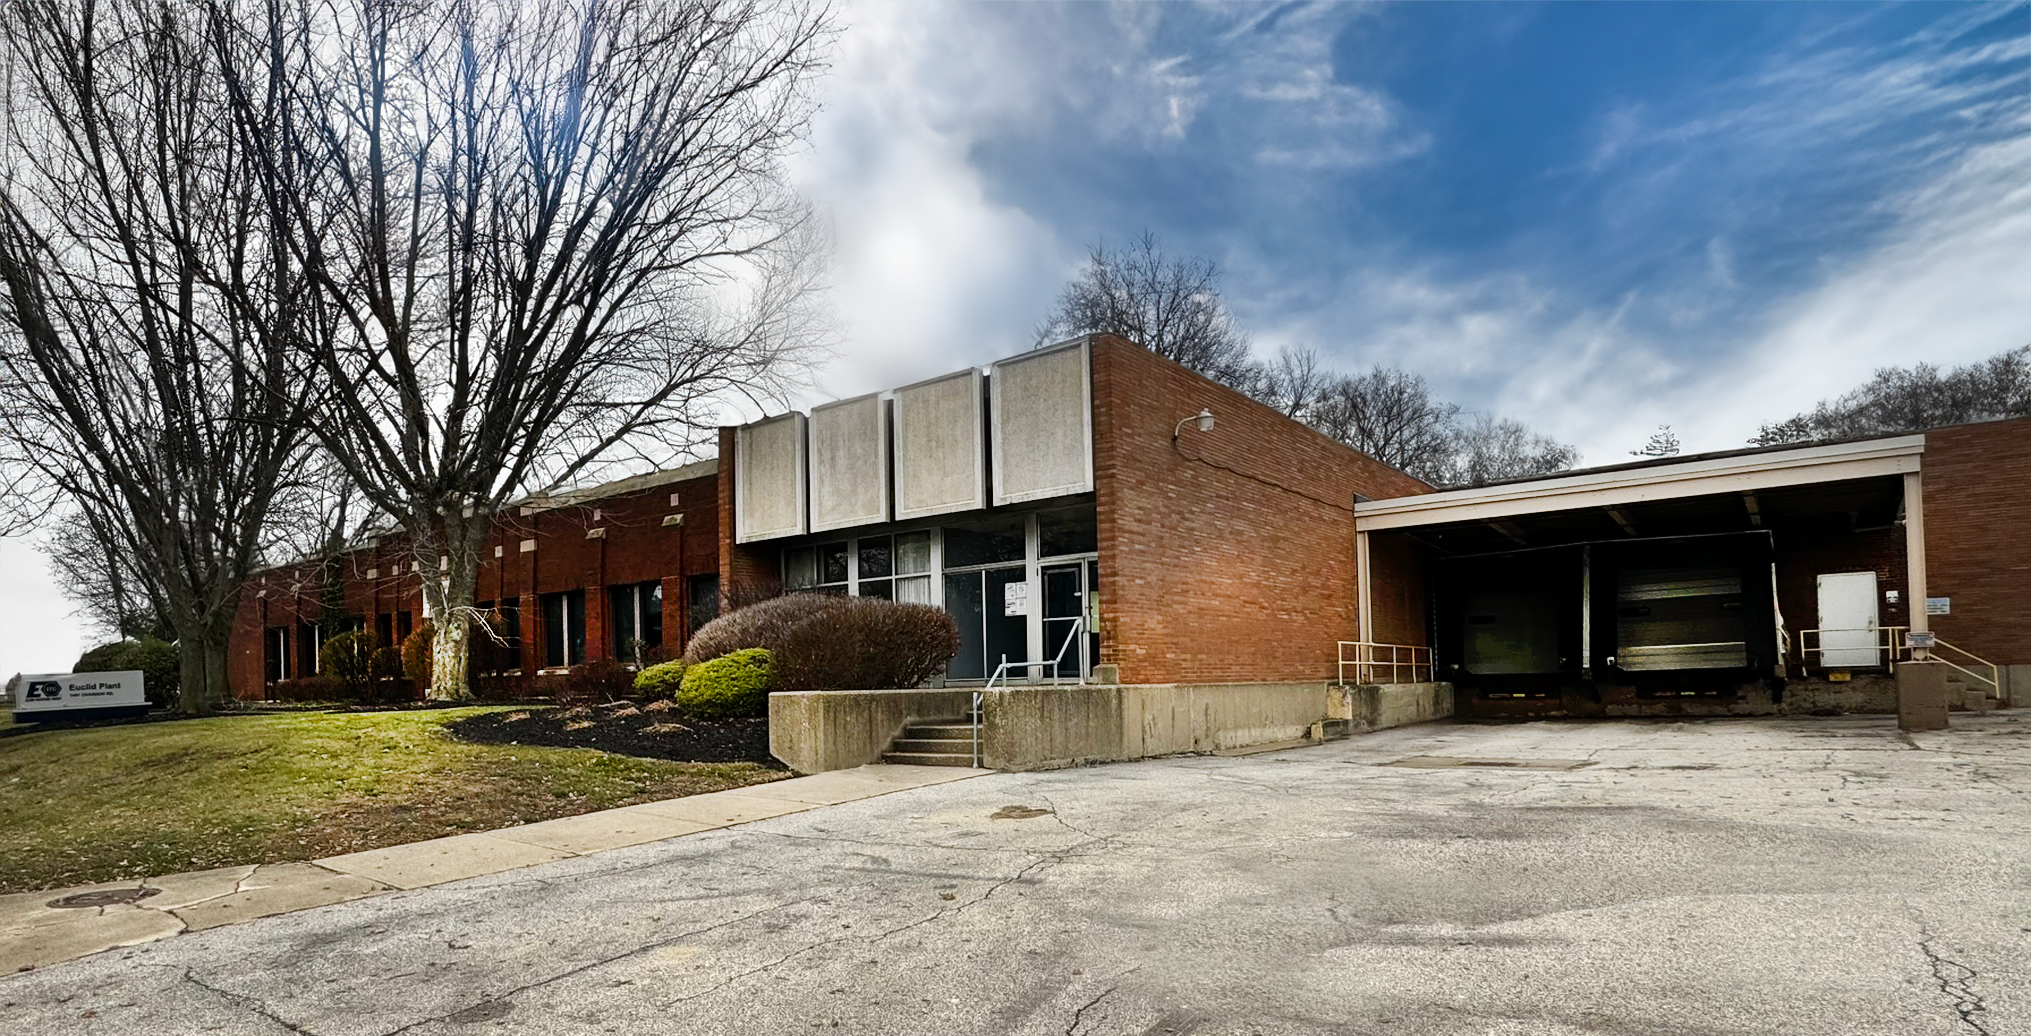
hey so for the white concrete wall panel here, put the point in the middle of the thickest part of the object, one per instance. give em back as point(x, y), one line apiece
point(940, 446)
point(769, 479)
point(1042, 407)
point(849, 464)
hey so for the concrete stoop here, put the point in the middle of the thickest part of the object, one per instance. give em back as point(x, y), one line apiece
point(938, 742)
point(37, 930)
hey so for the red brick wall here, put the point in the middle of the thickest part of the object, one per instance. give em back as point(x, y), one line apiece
point(1396, 590)
point(1230, 555)
point(1808, 550)
point(636, 548)
point(1978, 536)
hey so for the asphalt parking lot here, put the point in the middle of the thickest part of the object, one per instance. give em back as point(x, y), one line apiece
point(1718, 876)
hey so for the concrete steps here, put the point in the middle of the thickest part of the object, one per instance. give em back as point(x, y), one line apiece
point(939, 742)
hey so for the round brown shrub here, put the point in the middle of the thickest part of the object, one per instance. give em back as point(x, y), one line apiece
point(765, 624)
point(821, 642)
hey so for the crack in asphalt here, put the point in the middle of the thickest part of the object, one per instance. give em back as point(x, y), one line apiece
point(250, 1003)
point(1956, 980)
point(1079, 1016)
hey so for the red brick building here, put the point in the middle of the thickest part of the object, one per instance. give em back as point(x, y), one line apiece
point(615, 571)
point(1092, 511)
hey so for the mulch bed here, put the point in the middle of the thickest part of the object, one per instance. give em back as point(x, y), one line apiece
point(625, 729)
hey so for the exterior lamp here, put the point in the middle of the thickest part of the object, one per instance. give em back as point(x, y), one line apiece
point(1204, 417)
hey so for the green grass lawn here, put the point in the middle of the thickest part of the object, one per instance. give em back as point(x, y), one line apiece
point(107, 803)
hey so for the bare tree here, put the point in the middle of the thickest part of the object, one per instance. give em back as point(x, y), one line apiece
point(1168, 304)
point(558, 232)
point(1391, 415)
point(1909, 400)
point(1495, 449)
point(147, 314)
point(1296, 382)
point(1663, 443)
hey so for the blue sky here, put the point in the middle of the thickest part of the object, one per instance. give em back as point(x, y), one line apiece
point(1594, 217)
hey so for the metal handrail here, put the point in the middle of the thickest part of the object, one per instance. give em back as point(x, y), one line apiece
point(1366, 663)
point(1896, 646)
point(1890, 644)
point(1001, 673)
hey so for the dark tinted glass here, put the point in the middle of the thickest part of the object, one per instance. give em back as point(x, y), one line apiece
point(1068, 532)
point(875, 560)
point(704, 605)
point(832, 563)
point(985, 543)
point(882, 588)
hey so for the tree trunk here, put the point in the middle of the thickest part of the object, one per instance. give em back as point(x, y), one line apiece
point(450, 595)
point(200, 660)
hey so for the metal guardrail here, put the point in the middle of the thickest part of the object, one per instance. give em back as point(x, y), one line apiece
point(1402, 658)
point(1894, 646)
point(1001, 674)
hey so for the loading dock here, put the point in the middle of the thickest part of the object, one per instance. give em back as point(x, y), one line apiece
point(1712, 582)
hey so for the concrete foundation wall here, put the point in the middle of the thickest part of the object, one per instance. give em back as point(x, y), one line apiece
point(1867, 693)
point(816, 731)
point(1379, 706)
point(1040, 728)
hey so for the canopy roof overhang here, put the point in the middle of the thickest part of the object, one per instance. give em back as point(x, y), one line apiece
point(1852, 476)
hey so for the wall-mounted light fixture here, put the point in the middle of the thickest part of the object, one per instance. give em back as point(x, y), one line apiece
point(1204, 417)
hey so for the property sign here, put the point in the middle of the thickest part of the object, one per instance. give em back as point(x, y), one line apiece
point(58, 693)
point(1920, 639)
point(1939, 606)
point(1015, 599)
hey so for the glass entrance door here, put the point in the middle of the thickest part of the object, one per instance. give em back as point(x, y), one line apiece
point(980, 603)
point(1070, 594)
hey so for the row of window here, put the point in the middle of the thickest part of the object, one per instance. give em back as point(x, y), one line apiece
point(635, 627)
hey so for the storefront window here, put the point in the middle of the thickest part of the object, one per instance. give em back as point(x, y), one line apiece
point(985, 543)
point(1074, 531)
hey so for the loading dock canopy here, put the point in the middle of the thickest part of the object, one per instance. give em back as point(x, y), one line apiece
point(1740, 480)
point(1865, 503)
point(1645, 574)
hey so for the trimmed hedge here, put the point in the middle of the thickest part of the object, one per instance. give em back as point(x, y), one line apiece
point(661, 680)
point(159, 662)
point(825, 642)
point(866, 644)
point(734, 684)
point(766, 624)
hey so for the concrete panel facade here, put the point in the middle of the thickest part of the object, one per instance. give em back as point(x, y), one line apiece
point(771, 481)
point(1042, 424)
point(849, 457)
point(940, 446)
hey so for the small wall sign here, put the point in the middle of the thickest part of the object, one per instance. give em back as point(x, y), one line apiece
point(1015, 599)
point(1939, 606)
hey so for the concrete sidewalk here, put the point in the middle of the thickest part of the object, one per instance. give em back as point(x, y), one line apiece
point(35, 932)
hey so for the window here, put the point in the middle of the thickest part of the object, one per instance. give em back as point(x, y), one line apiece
point(384, 630)
point(275, 666)
point(403, 627)
point(704, 602)
point(500, 651)
point(637, 621)
point(563, 629)
point(1074, 531)
point(311, 636)
point(913, 568)
point(985, 543)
